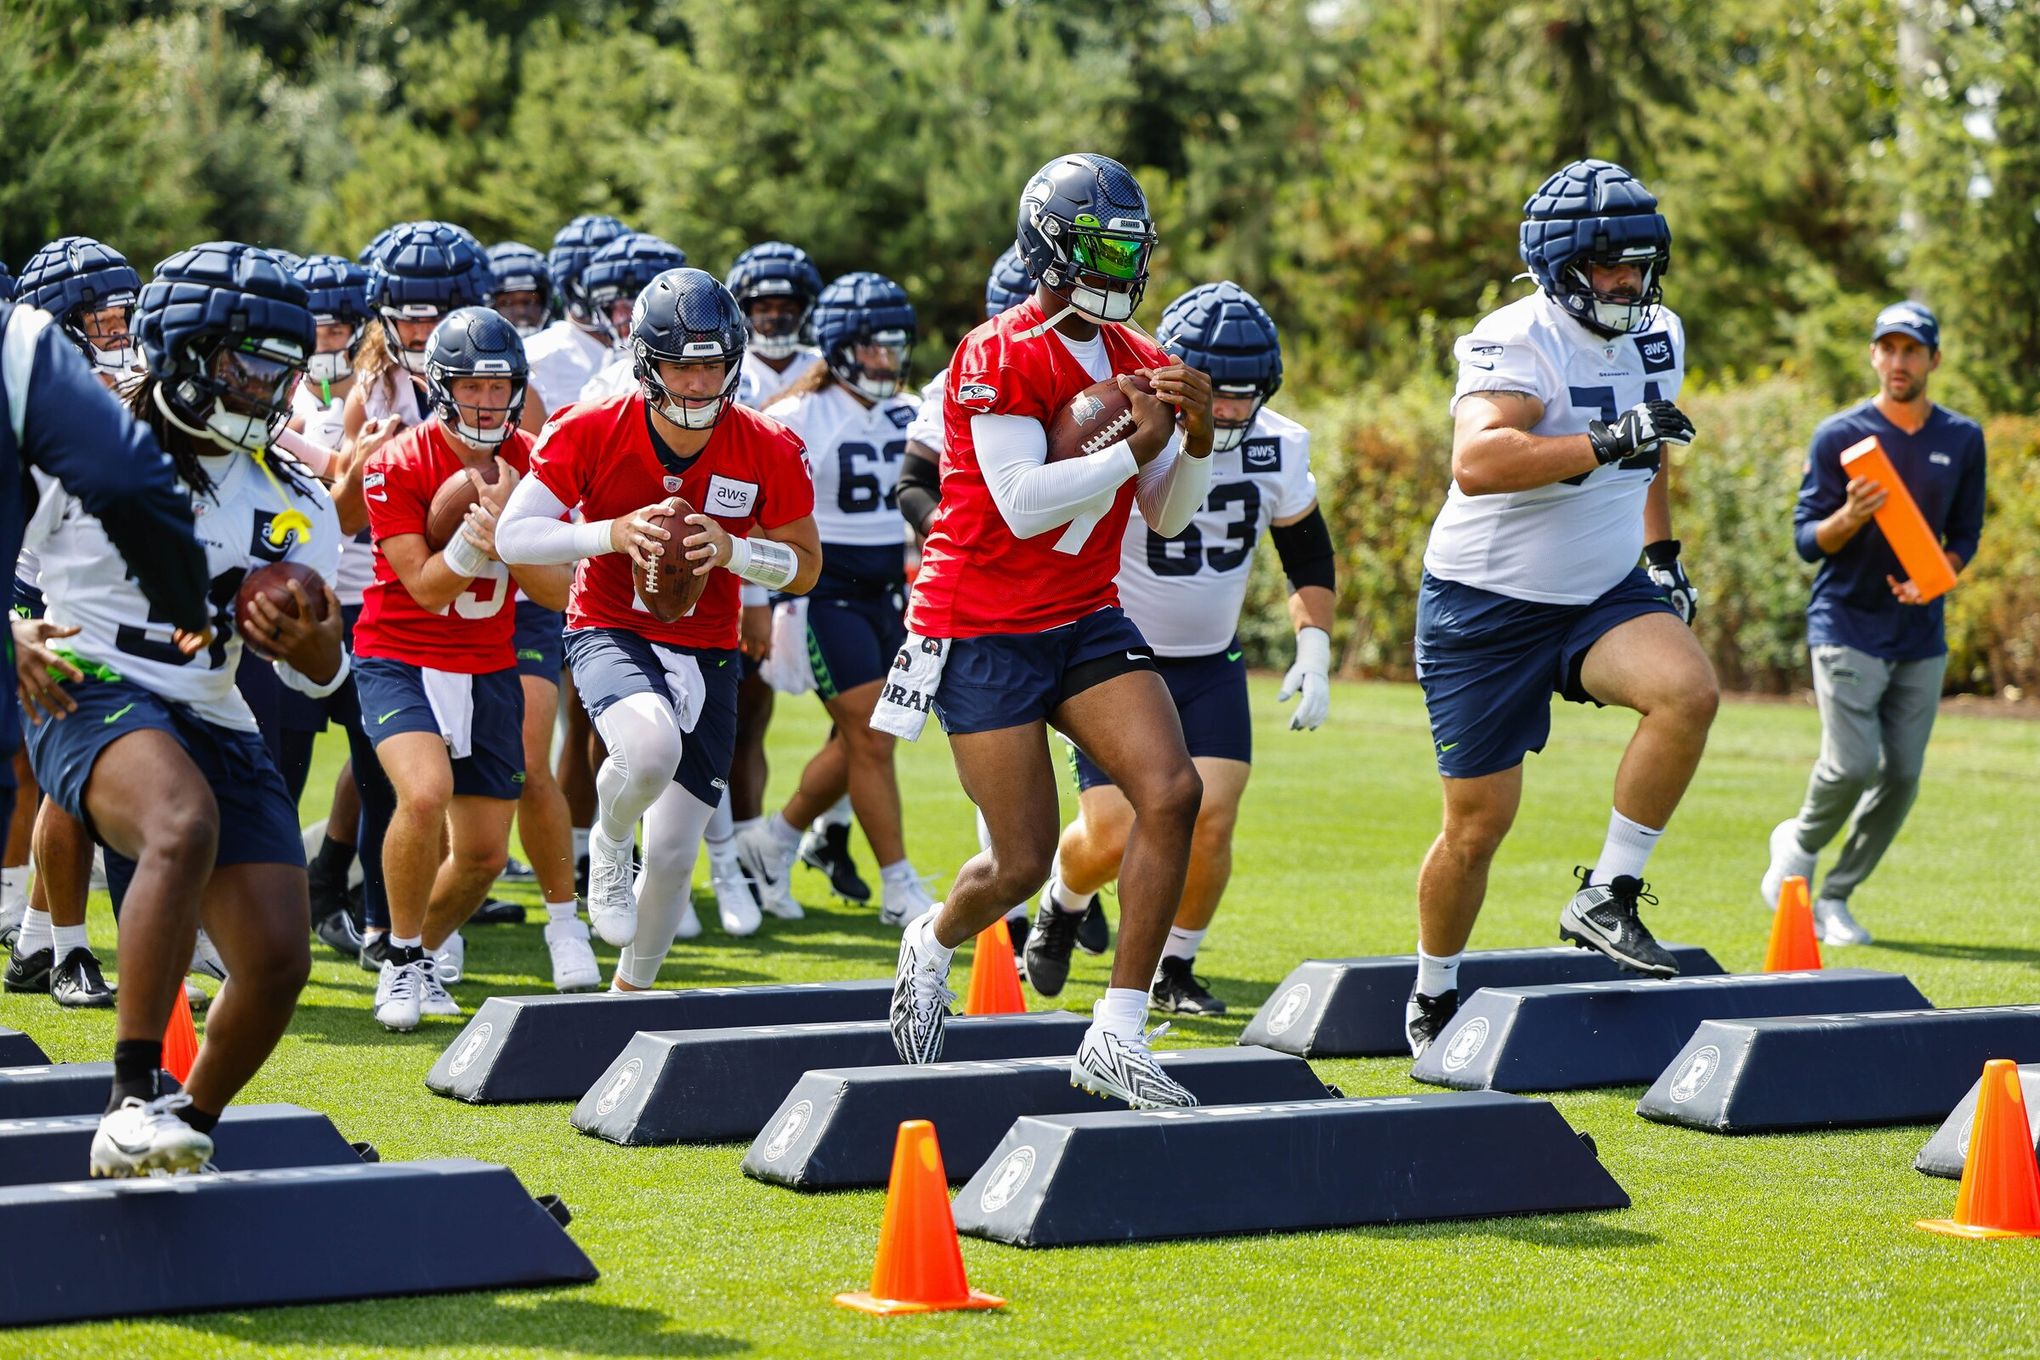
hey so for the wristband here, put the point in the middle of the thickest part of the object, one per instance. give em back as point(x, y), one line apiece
point(463, 558)
point(1314, 650)
point(763, 562)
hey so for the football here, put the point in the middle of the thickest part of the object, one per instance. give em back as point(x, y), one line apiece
point(670, 588)
point(274, 581)
point(1096, 418)
point(451, 501)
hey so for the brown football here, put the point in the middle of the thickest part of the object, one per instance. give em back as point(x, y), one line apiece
point(1096, 418)
point(451, 501)
point(273, 581)
point(670, 588)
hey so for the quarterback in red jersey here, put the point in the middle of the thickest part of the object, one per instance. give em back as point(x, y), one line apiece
point(1015, 621)
point(435, 668)
point(663, 695)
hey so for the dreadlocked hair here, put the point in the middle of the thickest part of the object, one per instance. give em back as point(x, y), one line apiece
point(184, 449)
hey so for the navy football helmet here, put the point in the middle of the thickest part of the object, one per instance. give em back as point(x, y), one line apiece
point(870, 313)
point(6, 283)
point(1009, 284)
point(1595, 212)
point(75, 277)
point(1221, 329)
point(572, 247)
point(423, 271)
point(1086, 233)
point(774, 269)
point(338, 290)
point(475, 342)
point(617, 273)
point(226, 332)
point(520, 270)
point(685, 317)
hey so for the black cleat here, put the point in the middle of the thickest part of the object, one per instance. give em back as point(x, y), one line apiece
point(516, 870)
point(336, 931)
point(1604, 918)
point(829, 854)
point(581, 876)
point(1016, 931)
point(497, 912)
point(374, 949)
point(29, 974)
point(1047, 955)
point(1425, 1018)
point(77, 982)
point(1094, 932)
point(1177, 989)
point(9, 933)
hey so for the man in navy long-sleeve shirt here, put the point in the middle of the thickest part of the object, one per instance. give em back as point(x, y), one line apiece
point(1878, 652)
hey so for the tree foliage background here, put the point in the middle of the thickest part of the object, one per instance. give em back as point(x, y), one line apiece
point(1360, 164)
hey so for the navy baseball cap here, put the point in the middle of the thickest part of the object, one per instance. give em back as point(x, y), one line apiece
point(1915, 319)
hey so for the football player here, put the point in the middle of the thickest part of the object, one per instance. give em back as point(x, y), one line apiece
point(1185, 594)
point(611, 282)
point(436, 668)
point(852, 415)
point(1532, 584)
point(524, 287)
point(663, 694)
point(152, 746)
point(998, 664)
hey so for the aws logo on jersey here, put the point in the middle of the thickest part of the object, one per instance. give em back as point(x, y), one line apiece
point(729, 498)
point(1261, 455)
point(1656, 352)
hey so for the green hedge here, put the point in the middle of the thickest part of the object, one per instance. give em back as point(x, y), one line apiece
point(1383, 461)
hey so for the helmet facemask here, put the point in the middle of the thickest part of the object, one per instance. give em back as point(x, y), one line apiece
point(462, 417)
point(882, 367)
point(776, 336)
point(1102, 269)
point(114, 352)
point(1227, 434)
point(689, 413)
point(524, 307)
point(413, 360)
point(1614, 314)
point(330, 366)
point(240, 394)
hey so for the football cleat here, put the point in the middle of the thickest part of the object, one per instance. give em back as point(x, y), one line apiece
point(1094, 932)
point(612, 906)
point(771, 872)
point(336, 931)
point(734, 902)
point(1834, 924)
point(1177, 989)
point(573, 960)
point(76, 982)
point(433, 998)
point(449, 961)
point(1017, 928)
point(1603, 918)
point(825, 848)
point(1788, 860)
point(375, 947)
point(147, 1137)
point(497, 912)
point(906, 902)
point(516, 870)
point(399, 990)
point(29, 972)
point(1119, 1068)
point(920, 1005)
point(1425, 1018)
point(206, 959)
point(1047, 956)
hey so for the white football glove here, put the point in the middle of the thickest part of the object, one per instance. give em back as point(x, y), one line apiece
point(1311, 678)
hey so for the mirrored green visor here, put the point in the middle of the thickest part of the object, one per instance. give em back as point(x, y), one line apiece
point(1114, 255)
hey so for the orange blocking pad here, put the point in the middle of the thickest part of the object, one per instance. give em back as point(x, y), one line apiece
point(920, 1266)
point(1917, 547)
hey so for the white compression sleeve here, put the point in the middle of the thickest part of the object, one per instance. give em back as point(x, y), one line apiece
point(1172, 487)
point(673, 827)
point(1034, 496)
point(533, 530)
point(644, 750)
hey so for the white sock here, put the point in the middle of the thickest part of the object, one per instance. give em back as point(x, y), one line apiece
point(1064, 899)
point(35, 932)
point(407, 941)
point(13, 890)
point(580, 843)
point(984, 833)
point(721, 826)
point(67, 938)
point(1122, 1011)
point(601, 834)
point(1626, 850)
point(563, 911)
point(1437, 974)
point(923, 932)
point(1182, 943)
point(837, 815)
point(899, 871)
point(784, 834)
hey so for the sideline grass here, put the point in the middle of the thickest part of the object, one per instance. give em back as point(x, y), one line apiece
point(1766, 1246)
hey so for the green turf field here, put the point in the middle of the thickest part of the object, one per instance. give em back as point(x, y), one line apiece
point(1765, 1246)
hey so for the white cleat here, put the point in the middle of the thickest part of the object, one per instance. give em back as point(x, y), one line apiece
point(771, 870)
point(612, 906)
point(1125, 1069)
point(206, 959)
point(146, 1137)
point(920, 1004)
point(689, 927)
point(733, 900)
point(433, 998)
point(1787, 861)
point(399, 988)
point(1833, 923)
point(573, 961)
point(906, 902)
point(449, 961)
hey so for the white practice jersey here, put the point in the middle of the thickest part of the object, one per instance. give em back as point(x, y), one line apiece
point(760, 384)
point(395, 394)
point(562, 358)
point(322, 424)
point(854, 451)
point(1571, 542)
point(611, 380)
point(86, 584)
point(1185, 593)
point(926, 429)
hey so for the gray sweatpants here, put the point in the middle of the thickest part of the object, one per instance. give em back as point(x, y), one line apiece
point(1875, 718)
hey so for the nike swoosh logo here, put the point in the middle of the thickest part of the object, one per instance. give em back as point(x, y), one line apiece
point(1445, 746)
point(387, 716)
point(376, 495)
point(1135, 656)
point(1234, 656)
point(111, 717)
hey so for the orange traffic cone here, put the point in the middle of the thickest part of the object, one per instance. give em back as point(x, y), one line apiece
point(1793, 948)
point(180, 1038)
point(994, 982)
point(2000, 1194)
point(920, 1267)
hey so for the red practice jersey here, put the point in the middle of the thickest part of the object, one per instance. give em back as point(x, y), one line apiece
point(597, 457)
point(976, 577)
point(473, 634)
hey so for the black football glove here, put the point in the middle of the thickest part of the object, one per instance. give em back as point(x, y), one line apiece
point(1636, 440)
point(1667, 575)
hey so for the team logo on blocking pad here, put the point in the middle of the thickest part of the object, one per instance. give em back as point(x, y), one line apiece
point(1694, 1076)
point(626, 1077)
point(477, 1040)
point(1006, 1182)
point(1290, 1008)
point(788, 1129)
point(1466, 1044)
